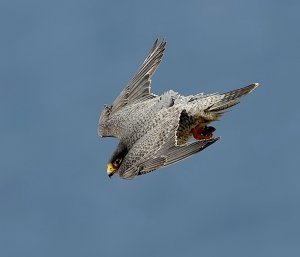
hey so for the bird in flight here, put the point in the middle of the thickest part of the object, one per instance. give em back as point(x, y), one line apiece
point(156, 131)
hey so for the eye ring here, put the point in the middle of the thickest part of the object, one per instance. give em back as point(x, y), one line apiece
point(117, 161)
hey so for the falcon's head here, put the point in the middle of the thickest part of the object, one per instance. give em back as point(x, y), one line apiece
point(116, 159)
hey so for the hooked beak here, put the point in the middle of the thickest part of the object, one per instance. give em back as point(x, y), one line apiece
point(111, 170)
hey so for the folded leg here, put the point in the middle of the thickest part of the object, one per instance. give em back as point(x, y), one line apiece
point(200, 132)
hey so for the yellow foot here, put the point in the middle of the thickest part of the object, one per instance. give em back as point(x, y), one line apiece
point(201, 133)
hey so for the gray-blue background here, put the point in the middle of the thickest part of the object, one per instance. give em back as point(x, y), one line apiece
point(61, 61)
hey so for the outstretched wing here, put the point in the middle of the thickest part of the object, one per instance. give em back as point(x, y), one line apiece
point(219, 103)
point(173, 154)
point(138, 88)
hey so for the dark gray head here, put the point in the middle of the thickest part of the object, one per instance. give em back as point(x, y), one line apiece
point(116, 159)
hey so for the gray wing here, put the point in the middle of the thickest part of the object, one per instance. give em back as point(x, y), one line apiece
point(217, 102)
point(173, 154)
point(154, 138)
point(138, 88)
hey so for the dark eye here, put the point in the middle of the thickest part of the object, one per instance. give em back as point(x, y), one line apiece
point(117, 162)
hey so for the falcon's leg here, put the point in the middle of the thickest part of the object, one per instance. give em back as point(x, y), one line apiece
point(200, 132)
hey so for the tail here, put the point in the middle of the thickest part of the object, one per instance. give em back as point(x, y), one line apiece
point(229, 99)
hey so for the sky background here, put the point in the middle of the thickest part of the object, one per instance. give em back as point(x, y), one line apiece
point(61, 61)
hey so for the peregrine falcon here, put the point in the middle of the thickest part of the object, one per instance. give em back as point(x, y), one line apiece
point(156, 131)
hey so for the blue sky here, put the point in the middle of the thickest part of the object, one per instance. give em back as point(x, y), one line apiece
point(61, 61)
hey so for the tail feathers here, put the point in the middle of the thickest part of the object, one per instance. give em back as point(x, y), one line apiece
point(231, 98)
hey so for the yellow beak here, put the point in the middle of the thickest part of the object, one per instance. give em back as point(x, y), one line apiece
point(111, 170)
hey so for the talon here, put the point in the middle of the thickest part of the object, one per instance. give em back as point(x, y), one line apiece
point(201, 133)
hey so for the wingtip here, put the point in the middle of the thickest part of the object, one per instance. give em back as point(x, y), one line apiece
point(217, 138)
point(159, 42)
point(208, 142)
point(213, 140)
point(254, 86)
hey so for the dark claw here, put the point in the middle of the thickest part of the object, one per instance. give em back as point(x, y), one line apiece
point(208, 130)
